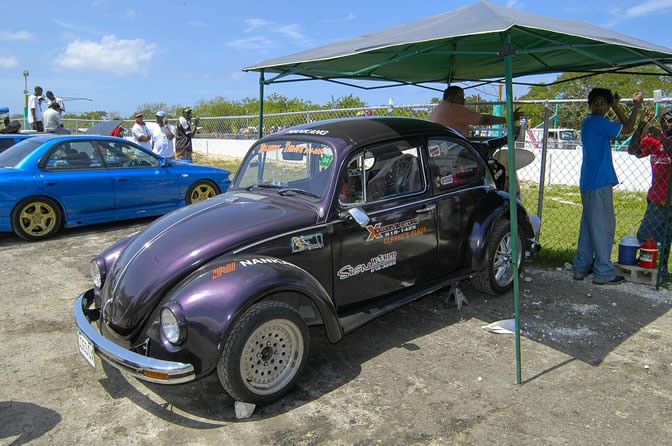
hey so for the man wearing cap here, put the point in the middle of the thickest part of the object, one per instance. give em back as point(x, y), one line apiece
point(185, 131)
point(140, 132)
point(51, 98)
point(162, 135)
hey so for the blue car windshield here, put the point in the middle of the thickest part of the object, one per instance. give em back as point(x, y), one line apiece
point(13, 156)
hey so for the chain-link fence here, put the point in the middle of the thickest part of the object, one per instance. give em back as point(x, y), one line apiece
point(556, 199)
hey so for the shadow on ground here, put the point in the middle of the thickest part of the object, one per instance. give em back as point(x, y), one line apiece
point(27, 420)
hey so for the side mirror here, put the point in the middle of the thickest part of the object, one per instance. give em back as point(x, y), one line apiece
point(164, 163)
point(361, 217)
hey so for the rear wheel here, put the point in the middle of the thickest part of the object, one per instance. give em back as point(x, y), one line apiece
point(498, 277)
point(201, 190)
point(36, 218)
point(264, 353)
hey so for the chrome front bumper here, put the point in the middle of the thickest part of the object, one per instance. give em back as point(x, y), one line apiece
point(142, 367)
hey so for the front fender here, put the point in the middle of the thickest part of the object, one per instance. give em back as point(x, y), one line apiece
point(215, 295)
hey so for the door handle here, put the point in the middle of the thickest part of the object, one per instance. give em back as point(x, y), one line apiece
point(428, 208)
point(50, 183)
point(121, 179)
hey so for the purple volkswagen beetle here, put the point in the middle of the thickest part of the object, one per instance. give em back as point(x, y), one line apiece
point(331, 223)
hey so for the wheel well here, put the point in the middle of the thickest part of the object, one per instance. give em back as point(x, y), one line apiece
point(301, 303)
point(37, 197)
point(212, 182)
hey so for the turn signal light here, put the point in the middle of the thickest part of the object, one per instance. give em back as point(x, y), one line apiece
point(155, 375)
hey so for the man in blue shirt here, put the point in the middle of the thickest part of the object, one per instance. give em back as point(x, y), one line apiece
point(598, 177)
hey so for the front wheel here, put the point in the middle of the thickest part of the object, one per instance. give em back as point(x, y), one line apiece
point(201, 190)
point(498, 277)
point(264, 353)
point(36, 218)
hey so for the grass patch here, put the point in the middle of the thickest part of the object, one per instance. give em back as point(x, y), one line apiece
point(229, 163)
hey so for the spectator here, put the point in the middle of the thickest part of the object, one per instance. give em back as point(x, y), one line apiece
point(10, 126)
point(185, 132)
point(35, 110)
point(52, 99)
point(52, 118)
point(598, 177)
point(141, 134)
point(162, 136)
point(657, 143)
point(451, 112)
point(118, 131)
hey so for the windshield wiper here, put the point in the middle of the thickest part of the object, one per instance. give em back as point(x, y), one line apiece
point(266, 185)
point(298, 191)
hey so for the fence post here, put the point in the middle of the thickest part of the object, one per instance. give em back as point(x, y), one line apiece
point(542, 175)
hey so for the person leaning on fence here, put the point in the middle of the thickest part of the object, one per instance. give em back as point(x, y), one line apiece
point(598, 177)
point(656, 143)
point(451, 112)
point(185, 132)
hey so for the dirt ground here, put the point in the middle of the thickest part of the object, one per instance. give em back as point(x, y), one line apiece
point(596, 365)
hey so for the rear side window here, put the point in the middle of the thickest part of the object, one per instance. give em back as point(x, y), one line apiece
point(6, 143)
point(453, 165)
point(13, 156)
point(74, 155)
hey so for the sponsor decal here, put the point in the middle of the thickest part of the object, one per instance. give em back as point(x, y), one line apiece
point(448, 179)
point(307, 242)
point(326, 160)
point(378, 231)
point(221, 270)
point(404, 235)
point(262, 261)
point(377, 263)
point(269, 148)
point(434, 151)
point(308, 132)
point(291, 148)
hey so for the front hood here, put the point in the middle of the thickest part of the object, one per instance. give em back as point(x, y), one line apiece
point(180, 242)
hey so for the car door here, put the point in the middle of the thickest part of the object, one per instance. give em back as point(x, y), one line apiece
point(140, 182)
point(457, 175)
point(73, 173)
point(397, 248)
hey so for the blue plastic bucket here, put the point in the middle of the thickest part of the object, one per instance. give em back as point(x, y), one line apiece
point(627, 250)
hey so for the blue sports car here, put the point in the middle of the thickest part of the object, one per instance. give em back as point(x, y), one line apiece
point(8, 140)
point(63, 180)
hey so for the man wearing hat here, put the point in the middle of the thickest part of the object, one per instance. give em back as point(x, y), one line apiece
point(140, 132)
point(162, 135)
point(185, 131)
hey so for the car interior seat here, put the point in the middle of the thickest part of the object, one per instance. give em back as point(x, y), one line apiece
point(80, 159)
point(398, 176)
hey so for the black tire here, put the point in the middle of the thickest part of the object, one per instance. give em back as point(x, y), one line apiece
point(36, 218)
point(498, 277)
point(258, 374)
point(201, 190)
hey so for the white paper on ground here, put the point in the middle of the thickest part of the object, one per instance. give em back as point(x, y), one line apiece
point(506, 326)
point(244, 410)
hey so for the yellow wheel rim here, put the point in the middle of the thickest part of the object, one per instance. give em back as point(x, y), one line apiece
point(37, 218)
point(202, 192)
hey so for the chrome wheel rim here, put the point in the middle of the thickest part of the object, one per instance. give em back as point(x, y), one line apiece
point(503, 265)
point(271, 356)
point(37, 218)
point(202, 192)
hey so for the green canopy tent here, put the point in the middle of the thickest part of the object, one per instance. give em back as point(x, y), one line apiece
point(478, 43)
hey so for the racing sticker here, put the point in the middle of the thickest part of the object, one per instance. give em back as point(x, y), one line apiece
point(326, 160)
point(269, 148)
point(377, 263)
point(292, 148)
point(307, 242)
point(378, 231)
point(434, 151)
point(308, 132)
point(448, 179)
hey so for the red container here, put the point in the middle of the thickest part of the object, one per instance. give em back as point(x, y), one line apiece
point(647, 254)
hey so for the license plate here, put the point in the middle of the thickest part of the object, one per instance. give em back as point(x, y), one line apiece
point(86, 349)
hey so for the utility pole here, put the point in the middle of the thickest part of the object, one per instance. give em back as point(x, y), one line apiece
point(25, 93)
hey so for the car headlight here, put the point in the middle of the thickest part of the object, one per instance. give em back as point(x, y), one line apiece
point(170, 327)
point(96, 274)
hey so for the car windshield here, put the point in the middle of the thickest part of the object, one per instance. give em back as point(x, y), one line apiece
point(13, 156)
point(293, 167)
point(569, 135)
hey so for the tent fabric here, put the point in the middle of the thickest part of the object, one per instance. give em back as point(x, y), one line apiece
point(466, 44)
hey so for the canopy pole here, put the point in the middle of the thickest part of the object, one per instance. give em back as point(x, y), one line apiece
point(261, 104)
point(513, 207)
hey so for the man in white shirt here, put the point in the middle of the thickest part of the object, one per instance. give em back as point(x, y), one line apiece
point(59, 101)
point(162, 136)
point(35, 110)
point(140, 132)
point(52, 120)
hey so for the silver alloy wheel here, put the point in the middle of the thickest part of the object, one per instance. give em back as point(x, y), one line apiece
point(503, 266)
point(271, 356)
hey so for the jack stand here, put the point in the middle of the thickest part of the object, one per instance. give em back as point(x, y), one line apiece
point(457, 294)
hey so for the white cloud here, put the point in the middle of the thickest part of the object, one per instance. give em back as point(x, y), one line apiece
point(17, 35)
point(111, 55)
point(8, 62)
point(648, 7)
point(131, 14)
point(253, 24)
point(290, 30)
point(254, 43)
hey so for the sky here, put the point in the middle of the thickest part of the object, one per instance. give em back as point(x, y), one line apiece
point(126, 54)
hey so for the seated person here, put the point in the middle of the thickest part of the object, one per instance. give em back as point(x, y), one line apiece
point(10, 126)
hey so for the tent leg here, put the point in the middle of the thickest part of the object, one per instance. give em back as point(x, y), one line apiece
point(513, 210)
point(261, 104)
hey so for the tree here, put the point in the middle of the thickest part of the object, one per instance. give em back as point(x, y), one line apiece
point(97, 115)
point(348, 101)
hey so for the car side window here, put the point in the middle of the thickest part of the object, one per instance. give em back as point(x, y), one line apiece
point(118, 154)
point(74, 155)
point(453, 164)
point(381, 172)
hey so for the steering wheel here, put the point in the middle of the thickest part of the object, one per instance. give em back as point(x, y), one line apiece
point(134, 163)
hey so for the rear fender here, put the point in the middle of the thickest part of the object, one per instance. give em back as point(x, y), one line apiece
point(215, 295)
